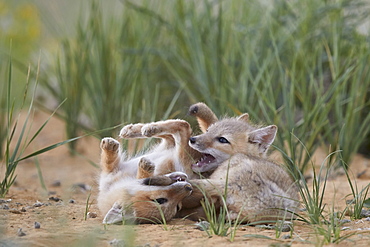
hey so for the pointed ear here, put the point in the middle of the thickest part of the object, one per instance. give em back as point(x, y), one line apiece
point(114, 215)
point(244, 117)
point(264, 137)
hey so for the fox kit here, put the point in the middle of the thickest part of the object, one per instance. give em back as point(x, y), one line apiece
point(223, 138)
point(123, 197)
point(235, 151)
point(123, 187)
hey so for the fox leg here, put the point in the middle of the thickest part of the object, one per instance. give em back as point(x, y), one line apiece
point(145, 169)
point(110, 155)
point(179, 131)
point(132, 131)
point(203, 114)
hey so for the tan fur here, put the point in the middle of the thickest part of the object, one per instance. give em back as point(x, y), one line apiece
point(235, 151)
point(204, 115)
point(257, 189)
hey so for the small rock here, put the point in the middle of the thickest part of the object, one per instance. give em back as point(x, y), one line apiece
point(38, 204)
point(5, 206)
point(55, 199)
point(2, 201)
point(367, 219)
point(14, 211)
point(56, 183)
point(23, 209)
point(117, 243)
point(37, 225)
point(72, 201)
point(202, 225)
point(266, 227)
point(92, 215)
point(344, 221)
point(83, 187)
point(346, 228)
point(287, 236)
point(20, 233)
point(365, 213)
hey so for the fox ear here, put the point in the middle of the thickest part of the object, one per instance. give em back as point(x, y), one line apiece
point(264, 137)
point(244, 117)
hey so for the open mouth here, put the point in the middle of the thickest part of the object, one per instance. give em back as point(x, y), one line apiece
point(206, 163)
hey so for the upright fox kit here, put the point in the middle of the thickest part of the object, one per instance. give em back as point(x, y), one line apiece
point(223, 138)
point(235, 150)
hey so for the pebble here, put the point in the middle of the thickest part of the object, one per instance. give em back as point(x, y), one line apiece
point(55, 199)
point(266, 227)
point(365, 213)
point(56, 183)
point(117, 243)
point(20, 233)
point(72, 201)
point(287, 236)
point(38, 204)
point(37, 225)
point(202, 225)
point(344, 221)
point(83, 187)
point(5, 206)
point(92, 215)
point(14, 211)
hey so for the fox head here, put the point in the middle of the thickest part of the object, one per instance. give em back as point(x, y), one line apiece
point(157, 200)
point(230, 136)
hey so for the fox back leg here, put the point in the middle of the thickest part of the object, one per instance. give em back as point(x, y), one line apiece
point(133, 131)
point(145, 169)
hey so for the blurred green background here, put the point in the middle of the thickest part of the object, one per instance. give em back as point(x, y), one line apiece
point(302, 65)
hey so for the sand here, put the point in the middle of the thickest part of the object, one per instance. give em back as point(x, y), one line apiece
point(71, 184)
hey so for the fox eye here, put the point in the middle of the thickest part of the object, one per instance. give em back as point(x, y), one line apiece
point(160, 200)
point(223, 140)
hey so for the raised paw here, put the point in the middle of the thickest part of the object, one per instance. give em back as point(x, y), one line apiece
point(146, 165)
point(150, 130)
point(109, 144)
point(131, 131)
point(177, 176)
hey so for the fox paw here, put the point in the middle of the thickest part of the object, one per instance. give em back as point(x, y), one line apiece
point(177, 176)
point(131, 131)
point(109, 144)
point(146, 165)
point(150, 130)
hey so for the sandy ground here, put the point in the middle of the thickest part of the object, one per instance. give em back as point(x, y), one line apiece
point(72, 179)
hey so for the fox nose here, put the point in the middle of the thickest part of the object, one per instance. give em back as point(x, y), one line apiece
point(192, 140)
point(188, 187)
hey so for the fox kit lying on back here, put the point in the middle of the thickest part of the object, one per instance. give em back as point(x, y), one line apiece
point(123, 189)
point(124, 197)
point(235, 150)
